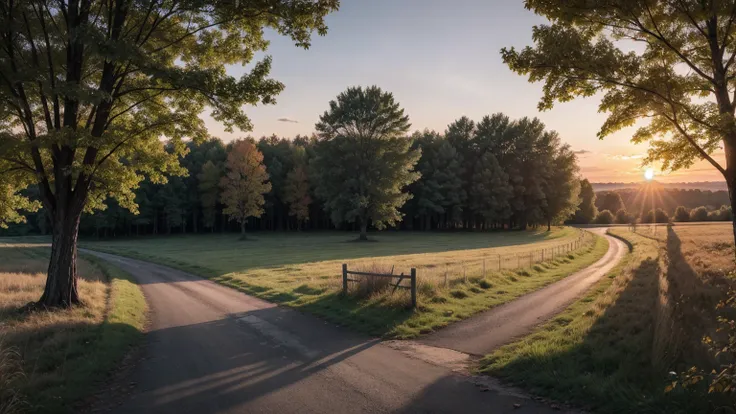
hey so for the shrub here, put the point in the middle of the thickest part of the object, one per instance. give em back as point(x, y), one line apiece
point(699, 214)
point(682, 214)
point(369, 285)
point(604, 217)
point(623, 217)
point(647, 217)
point(660, 216)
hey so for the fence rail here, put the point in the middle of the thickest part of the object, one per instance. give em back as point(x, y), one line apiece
point(412, 278)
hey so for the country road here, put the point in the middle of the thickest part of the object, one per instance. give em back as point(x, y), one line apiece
point(482, 333)
point(211, 349)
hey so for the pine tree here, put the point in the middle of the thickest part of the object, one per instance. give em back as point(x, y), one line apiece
point(491, 190)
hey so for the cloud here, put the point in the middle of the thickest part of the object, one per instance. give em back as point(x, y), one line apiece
point(284, 119)
point(581, 152)
point(625, 157)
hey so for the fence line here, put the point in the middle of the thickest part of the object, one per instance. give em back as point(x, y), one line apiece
point(446, 274)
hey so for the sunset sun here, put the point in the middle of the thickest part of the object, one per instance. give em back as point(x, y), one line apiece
point(649, 174)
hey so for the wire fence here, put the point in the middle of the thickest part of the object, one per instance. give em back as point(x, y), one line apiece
point(483, 266)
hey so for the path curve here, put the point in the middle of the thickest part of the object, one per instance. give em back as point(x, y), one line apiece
point(211, 349)
point(486, 331)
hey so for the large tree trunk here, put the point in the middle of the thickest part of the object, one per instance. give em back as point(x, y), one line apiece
point(61, 282)
point(242, 231)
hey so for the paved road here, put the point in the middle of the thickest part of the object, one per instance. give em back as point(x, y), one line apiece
point(481, 334)
point(211, 349)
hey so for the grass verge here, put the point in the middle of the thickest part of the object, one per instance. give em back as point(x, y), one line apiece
point(444, 296)
point(601, 353)
point(65, 355)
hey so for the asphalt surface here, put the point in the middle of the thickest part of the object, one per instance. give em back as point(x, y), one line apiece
point(486, 331)
point(211, 349)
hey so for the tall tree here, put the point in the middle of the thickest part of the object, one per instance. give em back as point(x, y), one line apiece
point(244, 184)
point(682, 77)
point(365, 160)
point(297, 188)
point(561, 188)
point(587, 209)
point(89, 87)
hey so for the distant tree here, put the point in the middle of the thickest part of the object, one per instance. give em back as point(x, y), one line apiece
point(722, 214)
point(682, 214)
point(611, 201)
point(647, 217)
point(491, 190)
point(296, 188)
point(623, 217)
point(604, 217)
point(440, 190)
point(660, 216)
point(699, 214)
point(562, 187)
point(681, 79)
point(209, 192)
point(244, 183)
point(587, 209)
point(364, 159)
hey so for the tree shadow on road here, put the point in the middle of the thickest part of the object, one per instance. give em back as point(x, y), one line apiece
point(622, 362)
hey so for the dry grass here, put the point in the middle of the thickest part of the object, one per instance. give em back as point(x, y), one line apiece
point(63, 352)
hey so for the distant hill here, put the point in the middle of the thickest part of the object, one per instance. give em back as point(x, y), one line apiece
point(700, 185)
point(642, 197)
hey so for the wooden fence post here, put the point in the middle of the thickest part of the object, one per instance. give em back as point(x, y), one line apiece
point(413, 287)
point(344, 278)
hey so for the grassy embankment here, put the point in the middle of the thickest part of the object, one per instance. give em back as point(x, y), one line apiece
point(53, 360)
point(303, 271)
point(613, 350)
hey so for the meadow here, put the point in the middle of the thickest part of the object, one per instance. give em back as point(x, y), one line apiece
point(458, 273)
point(52, 361)
point(615, 349)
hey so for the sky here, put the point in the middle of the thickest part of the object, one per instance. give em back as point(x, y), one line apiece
point(441, 60)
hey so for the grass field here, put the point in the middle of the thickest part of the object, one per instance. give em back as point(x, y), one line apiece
point(304, 271)
point(613, 350)
point(60, 357)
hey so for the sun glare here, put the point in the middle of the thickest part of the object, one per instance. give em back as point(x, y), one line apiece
point(649, 174)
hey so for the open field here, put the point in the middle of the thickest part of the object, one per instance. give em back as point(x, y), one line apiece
point(303, 271)
point(62, 355)
point(612, 351)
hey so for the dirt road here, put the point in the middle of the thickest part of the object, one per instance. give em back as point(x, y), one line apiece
point(481, 334)
point(211, 349)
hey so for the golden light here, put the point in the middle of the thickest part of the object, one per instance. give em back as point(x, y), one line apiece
point(649, 174)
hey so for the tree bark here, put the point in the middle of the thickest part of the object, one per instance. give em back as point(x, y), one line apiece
point(242, 231)
point(363, 230)
point(549, 225)
point(61, 282)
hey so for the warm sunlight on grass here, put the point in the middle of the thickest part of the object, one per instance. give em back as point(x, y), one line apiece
point(65, 352)
point(612, 351)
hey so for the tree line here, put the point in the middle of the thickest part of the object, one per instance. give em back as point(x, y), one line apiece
point(495, 173)
point(643, 205)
